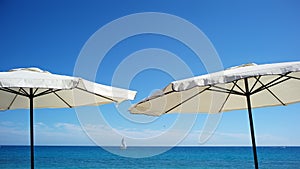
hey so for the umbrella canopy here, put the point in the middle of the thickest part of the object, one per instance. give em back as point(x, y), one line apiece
point(241, 87)
point(54, 91)
point(28, 88)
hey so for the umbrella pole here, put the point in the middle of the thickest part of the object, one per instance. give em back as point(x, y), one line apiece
point(251, 123)
point(31, 130)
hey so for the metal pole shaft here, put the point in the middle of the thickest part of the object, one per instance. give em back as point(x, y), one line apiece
point(251, 124)
point(31, 130)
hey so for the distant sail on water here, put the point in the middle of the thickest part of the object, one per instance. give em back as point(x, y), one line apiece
point(123, 144)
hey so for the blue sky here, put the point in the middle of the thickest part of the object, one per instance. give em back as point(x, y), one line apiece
point(51, 34)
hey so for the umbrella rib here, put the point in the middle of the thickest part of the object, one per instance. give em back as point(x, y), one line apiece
point(227, 98)
point(35, 91)
point(185, 100)
point(235, 82)
point(46, 92)
point(11, 103)
point(267, 88)
point(292, 77)
point(224, 90)
point(257, 78)
point(24, 91)
point(270, 84)
point(279, 82)
point(152, 98)
point(97, 94)
point(63, 100)
point(13, 91)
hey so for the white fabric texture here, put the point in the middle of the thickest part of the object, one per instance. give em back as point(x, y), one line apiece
point(62, 91)
point(268, 84)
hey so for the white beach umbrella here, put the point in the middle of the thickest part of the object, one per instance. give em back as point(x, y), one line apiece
point(242, 87)
point(29, 88)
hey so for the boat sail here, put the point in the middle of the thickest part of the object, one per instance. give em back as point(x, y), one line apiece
point(123, 144)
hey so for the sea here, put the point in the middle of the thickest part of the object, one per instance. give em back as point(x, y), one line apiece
point(90, 157)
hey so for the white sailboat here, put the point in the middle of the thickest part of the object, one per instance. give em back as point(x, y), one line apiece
point(123, 144)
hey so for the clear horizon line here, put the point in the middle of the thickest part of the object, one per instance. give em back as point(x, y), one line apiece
point(69, 145)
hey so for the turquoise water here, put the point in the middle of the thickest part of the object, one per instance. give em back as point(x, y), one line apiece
point(60, 157)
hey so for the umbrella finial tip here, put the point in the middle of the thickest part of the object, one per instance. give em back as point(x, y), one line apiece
point(243, 65)
point(33, 69)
